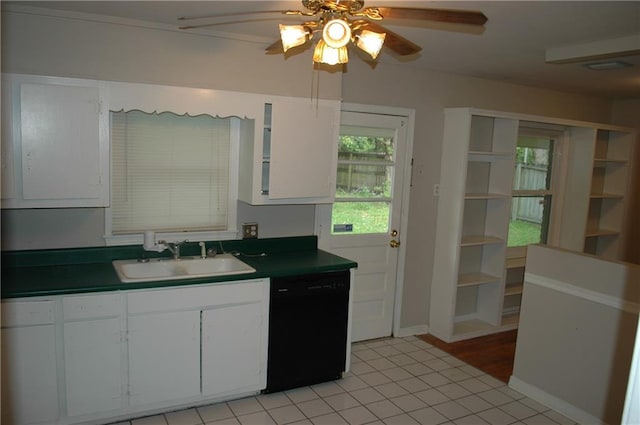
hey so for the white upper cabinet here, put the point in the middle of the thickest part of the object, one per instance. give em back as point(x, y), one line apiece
point(292, 158)
point(55, 140)
point(54, 143)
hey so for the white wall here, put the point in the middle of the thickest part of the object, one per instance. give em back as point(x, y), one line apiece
point(576, 337)
point(33, 44)
point(428, 93)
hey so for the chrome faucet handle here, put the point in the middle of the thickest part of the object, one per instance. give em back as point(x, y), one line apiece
point(174, 247)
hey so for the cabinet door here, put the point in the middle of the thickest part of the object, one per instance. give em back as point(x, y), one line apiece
point(304, 140)
point(60, 142)
point(232, 349)
point(164, 356)
point(29, 378)
point(57, 140)
point(93, 366)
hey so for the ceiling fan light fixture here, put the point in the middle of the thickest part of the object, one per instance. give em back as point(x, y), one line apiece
point(324, 53)
point(293, 35)
point(336, 33)
point(371, 42)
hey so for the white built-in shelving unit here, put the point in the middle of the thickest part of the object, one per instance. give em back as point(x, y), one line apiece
point(607, 197)
point(475, 190)
point(476, 285)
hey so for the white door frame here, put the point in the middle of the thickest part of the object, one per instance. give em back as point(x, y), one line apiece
point(409, 114)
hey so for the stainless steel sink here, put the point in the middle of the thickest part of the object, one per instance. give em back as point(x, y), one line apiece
point(183, 268)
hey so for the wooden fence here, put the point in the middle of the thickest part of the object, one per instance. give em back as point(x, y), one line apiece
point(368, 177)
point(525, 208)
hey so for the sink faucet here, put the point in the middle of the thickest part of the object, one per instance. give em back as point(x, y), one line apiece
point(173, 247)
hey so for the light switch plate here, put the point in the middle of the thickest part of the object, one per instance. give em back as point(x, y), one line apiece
point(249, 230)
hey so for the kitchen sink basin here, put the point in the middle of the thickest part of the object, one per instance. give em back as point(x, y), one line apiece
point(183, 268)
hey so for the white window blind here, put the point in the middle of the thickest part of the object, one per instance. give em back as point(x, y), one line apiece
point(169, 172)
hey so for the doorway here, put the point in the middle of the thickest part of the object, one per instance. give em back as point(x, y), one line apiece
point(367, 219)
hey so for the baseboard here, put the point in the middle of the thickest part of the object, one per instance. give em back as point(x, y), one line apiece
point(411, 331)
point(553, 402)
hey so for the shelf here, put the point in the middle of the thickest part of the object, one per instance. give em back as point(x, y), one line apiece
point(480, 240)
point(515, 262)
point(515, 289)
point(592, 233)
point(474, 279)
point(480, 196)
point(511, 318)
point(606, 196)
point(603, 162)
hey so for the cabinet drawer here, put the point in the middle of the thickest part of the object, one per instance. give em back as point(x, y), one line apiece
point(91, 306)
point(26, 313)
point(189, 297)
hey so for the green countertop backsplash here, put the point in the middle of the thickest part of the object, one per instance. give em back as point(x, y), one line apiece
point(78, 270)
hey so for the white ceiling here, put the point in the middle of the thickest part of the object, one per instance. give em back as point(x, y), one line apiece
point(511, 47)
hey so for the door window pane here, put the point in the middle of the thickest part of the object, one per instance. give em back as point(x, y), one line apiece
point(360, 217)
point(364, 181)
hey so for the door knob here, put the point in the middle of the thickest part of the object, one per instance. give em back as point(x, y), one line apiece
point(394, 243)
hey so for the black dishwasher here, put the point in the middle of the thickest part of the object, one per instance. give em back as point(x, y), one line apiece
point(308, 320)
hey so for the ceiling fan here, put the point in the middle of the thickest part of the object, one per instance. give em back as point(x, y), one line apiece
point(342, 21)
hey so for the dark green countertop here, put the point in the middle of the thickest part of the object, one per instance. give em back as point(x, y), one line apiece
point(72, 271)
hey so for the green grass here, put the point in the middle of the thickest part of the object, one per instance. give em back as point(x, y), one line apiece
point(366, 217)
point(523, 233)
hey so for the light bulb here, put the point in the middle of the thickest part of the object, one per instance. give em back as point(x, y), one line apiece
point(336, 33)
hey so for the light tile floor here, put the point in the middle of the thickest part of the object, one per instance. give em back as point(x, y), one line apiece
point(393, 381)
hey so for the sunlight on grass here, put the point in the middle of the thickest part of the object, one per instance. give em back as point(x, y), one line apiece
point(523, 233)
point(366, 217)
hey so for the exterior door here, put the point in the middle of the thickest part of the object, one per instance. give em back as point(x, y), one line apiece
point(365, 222)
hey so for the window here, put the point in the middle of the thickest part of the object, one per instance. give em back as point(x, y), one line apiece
point(172, 173)
point(532, 189)
point(364, 180)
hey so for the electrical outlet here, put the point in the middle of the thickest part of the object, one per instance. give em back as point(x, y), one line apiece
point(436, 189)
point(250, 231)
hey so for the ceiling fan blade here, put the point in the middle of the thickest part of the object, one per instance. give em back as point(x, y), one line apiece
point(469, 17)
point(226, 15)
point(393, 41)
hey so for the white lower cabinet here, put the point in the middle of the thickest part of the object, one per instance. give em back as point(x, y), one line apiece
point(164, 357)
point(29, 372)
point(91, 358)
point(93, 366)
point(232, 357)
point(29, 377)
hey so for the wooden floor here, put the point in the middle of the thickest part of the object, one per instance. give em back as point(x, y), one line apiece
point(493, 354)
